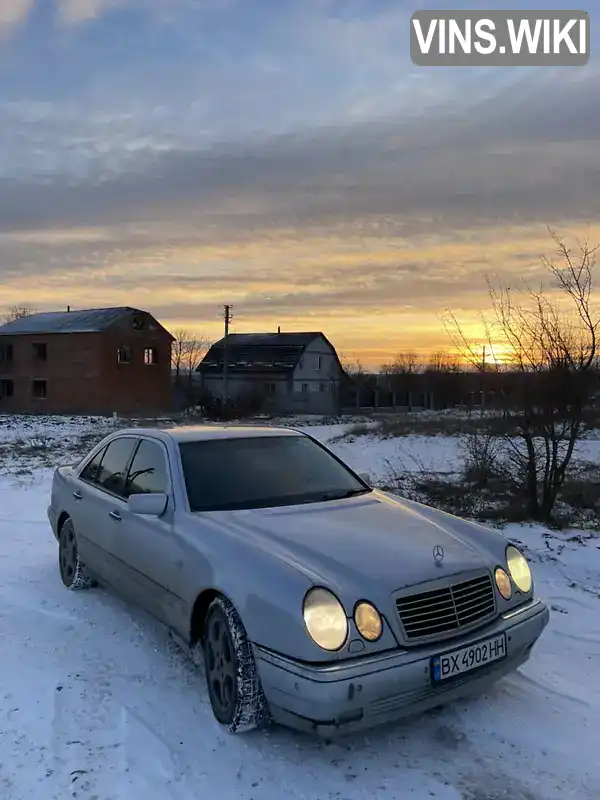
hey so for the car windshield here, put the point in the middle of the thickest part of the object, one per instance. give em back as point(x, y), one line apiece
point(262, 472)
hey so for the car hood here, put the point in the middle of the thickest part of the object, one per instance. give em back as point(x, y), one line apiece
point(376, 542)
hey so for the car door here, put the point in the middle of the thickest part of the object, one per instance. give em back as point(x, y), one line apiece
point(100, 500)
point(81, 513)
point(143, 545)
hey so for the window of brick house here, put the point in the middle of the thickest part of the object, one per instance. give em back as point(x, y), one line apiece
point(7, 388)
point(124, 354)
point(39, 389)
point(40, 351)
point(6, 352)
point(150, 355)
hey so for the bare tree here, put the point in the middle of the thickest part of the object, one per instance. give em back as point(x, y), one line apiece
point(17, 312)
point(442, 361)
point(187, 352)
point(194, 353)
point(551, 342)
point(353, 367)
point(404, 364)
point(401, 370)
point(178, 350)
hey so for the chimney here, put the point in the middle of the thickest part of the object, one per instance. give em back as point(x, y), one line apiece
point(279, 329)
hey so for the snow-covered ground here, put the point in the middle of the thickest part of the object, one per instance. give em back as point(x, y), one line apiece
point(381, 457)
point(98, 705)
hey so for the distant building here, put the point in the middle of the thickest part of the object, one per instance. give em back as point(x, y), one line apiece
point(95, 361)
point(294, 372)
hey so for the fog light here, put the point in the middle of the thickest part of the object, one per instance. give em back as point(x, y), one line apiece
point(368, 621)
point(503, 583)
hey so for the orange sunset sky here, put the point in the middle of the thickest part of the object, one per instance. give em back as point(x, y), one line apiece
point(302, 170)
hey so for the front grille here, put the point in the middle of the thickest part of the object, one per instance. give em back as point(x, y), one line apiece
point(443, 611)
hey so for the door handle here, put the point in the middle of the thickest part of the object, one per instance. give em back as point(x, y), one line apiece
point(77, 495)
point(115, 515)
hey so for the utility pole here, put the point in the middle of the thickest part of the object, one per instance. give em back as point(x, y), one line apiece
point(227, 316)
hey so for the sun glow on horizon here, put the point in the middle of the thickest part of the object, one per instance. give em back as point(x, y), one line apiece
point(373, 302)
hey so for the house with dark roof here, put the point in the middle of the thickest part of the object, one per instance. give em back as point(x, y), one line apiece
point(292, 372)
point(93, 361)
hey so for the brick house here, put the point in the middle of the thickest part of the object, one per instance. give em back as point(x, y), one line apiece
point(293, 372)
point(95, 361)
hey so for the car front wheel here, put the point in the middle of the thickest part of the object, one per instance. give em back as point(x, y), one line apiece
point(73, 572)
point(234, 687)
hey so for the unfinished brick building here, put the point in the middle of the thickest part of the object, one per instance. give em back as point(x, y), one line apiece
point(95, 361)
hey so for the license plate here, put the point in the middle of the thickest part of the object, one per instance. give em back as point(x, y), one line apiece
point(468, 658)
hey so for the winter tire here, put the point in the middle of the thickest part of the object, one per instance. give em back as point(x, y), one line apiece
point(232, 679)
point(73, 572)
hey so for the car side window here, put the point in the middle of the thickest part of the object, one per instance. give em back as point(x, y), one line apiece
point(148, 470)
point(90, 471)
point(113, 467)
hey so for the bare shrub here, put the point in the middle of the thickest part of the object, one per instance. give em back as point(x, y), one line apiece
point(551, 337)
point(244, 405)
point(482, 453)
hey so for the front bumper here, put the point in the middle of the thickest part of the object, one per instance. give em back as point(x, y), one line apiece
point(350, 696)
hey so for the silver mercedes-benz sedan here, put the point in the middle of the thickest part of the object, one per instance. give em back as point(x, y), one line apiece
point(308, 597)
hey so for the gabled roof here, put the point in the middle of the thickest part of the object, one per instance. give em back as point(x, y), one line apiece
point(298, 339)
point(258, 352)
point(90, 320)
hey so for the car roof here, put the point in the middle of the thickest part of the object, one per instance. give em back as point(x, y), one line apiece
point(198, 433)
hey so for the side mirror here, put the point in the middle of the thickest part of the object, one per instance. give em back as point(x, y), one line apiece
point(150, 504)
point(365, 476)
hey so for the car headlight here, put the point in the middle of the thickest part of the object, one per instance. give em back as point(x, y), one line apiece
point(519, 569)
point(503, 583)
point(368, 621)
point(325, 619)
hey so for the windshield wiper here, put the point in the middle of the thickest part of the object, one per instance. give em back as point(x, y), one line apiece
point(343, 495)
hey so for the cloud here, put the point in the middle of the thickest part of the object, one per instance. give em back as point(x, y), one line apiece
point(373, 296)
point(74, 12)
point(13, 13)
point(317, 172)
point(510, 158)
